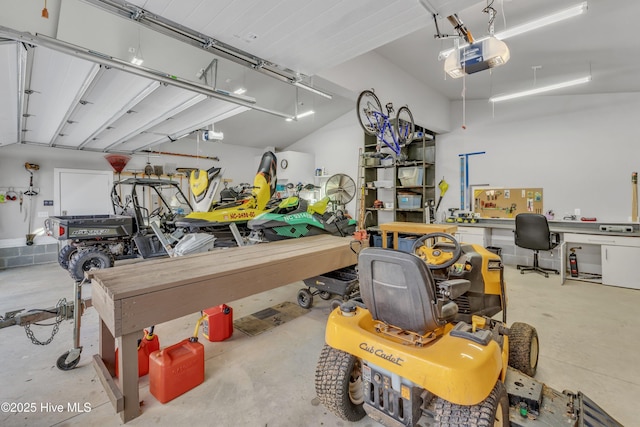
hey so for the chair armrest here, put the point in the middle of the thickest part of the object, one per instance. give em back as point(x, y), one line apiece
point(452, 289)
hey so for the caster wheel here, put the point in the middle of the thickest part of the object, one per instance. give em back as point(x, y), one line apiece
point(63, 365)
point(325, 295)
point(305, 299)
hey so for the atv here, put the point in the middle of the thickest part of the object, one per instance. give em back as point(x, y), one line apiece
point(423, 343)
point(95, 241)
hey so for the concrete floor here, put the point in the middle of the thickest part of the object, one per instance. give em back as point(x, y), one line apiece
point(587, 337)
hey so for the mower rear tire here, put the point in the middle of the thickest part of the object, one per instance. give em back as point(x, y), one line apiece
point(89, 259)
point(65, 255)
point(305, 298)
point(523, 348)
point(493, 411)
point(339, 383)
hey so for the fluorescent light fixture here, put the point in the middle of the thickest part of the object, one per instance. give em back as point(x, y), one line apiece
point(301, 115)
point(540, 89)
point(240, 91)
point(561, 15)
point(312, 90)
point(137, 61)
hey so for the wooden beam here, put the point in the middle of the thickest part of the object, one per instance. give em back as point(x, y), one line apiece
point(110, 387)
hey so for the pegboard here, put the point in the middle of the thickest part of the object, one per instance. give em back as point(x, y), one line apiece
point(494, 202)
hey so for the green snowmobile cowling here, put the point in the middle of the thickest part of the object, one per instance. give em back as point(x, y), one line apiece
point(294, 218)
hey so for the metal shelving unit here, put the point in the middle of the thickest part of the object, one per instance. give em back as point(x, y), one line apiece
point(408, 158)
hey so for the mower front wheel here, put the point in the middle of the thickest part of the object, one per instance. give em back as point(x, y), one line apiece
point(491, 412)
point(339, 383)
point(305, 298)
point(523, 348)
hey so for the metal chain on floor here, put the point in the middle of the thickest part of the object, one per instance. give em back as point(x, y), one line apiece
point(61, 308)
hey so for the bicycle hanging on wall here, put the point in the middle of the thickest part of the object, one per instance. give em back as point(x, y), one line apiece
point(393, 133)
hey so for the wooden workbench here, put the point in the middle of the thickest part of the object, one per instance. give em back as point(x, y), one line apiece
point(132, 297)
point(412, 228)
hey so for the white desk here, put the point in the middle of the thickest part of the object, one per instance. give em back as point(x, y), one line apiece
point(618, 256)
point(614, 252)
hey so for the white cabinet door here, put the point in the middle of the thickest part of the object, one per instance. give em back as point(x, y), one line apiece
point(619, 266)
point(471, 235)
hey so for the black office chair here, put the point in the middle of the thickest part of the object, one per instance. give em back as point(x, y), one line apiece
point(532, 232)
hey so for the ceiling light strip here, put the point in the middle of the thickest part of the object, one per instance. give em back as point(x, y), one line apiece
point(151, 87)
point(189, 36)
point(540, 89)
point(561, 15)
point(80, 52)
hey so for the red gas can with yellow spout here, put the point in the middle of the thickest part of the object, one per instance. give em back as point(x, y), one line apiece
point(217, 323)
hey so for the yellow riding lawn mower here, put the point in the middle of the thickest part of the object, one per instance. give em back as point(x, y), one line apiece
point(423, 343)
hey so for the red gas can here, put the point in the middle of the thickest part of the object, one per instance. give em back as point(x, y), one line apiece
point(147, 345)
point(176, 369)
point(217, 324)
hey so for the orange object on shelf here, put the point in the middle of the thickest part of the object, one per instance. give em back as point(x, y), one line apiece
point(148, 344)
point(176, 369)
point(217, 324)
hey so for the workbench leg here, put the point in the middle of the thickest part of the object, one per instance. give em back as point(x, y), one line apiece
point(395, 240)
point(128, 363)
point(107, 348)
point(384, 239)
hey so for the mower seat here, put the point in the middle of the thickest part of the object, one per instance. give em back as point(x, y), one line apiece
point(398, 289)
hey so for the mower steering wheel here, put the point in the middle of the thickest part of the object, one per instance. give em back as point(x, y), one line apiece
point(434, 256)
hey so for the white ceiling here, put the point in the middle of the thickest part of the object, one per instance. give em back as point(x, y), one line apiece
point(602, 42)
point(311, 36)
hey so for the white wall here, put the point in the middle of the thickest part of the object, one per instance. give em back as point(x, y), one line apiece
point(580, 149)
point(240, 165)
point(335, 147)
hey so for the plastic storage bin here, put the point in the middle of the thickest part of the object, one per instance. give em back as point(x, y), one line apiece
point(405, 244)
point(407, 201)
point(410, 176)
point(377, 241)
point(383, 184)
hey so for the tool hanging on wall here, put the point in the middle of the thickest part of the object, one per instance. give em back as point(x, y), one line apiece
point(443, 186)
point(30, 167)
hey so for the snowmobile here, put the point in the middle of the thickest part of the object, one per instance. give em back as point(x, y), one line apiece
point(295, 217)
point(219, 216)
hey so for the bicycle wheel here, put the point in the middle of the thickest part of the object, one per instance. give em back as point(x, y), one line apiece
point(404, 125)
point(369, 112)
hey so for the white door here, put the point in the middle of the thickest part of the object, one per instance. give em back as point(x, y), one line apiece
point(82, 192)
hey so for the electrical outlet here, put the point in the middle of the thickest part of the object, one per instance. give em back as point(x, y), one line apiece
point(576, 211)
point(43, 214)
